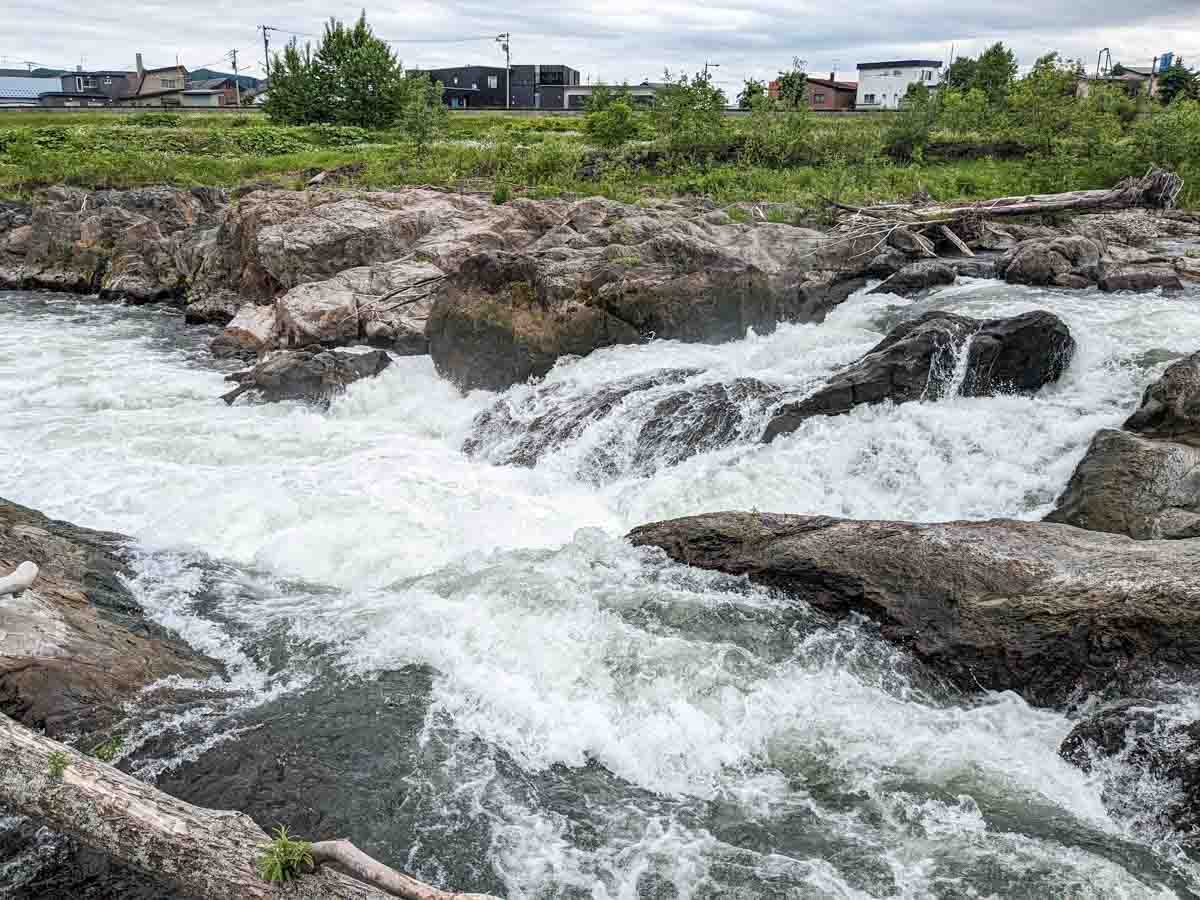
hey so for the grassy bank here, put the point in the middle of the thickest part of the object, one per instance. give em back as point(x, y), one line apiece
point(542, 156)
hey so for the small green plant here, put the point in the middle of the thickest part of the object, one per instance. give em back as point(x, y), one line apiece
point(57, 764)
point(501, 195)
point(630, 260)
point(108, 751)
point(284, 859)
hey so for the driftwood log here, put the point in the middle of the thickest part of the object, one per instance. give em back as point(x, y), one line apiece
point(204, 853)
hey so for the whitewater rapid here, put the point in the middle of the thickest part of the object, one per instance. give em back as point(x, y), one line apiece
point(623, 727)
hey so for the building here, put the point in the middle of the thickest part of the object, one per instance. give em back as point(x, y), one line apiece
point(1136, 81)
point(88, 89)
point(824, 94)
point(226, 88)
point(20, 91)
point(483, 87)
point(577, 97)
point(162, 87)
point(882, 85)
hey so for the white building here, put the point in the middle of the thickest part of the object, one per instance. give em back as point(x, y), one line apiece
point(882, 85)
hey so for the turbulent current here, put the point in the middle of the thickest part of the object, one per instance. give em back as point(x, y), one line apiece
point(463, 667)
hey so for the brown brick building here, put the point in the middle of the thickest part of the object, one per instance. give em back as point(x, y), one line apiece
point(824, 93)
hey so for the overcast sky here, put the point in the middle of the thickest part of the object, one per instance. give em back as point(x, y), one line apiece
point(613, 41)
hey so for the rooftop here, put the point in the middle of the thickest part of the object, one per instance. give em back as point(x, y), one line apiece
point(902, 64)
point(835, 85)
point(13, 87)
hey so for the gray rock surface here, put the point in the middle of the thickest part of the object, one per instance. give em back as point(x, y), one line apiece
point(313, 376)
point(1042, 609)
point(1064, 261)
point(1140, 281)
point(917, 277)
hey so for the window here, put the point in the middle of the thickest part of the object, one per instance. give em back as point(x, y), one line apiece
point(107, 81)
point(818, 98)
point(168, 83)
point(868, 98)
point(897, 72)
point(79, 85)
point(456, 79)
point(493, 81)
point(927, 75)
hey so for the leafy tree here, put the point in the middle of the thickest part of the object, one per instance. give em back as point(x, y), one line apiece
point(966, 111)
point(353, 78)
point(793, 86)
point(908, 134)
point(689, 113)
point(1042, 104)
point(423, 114)
point(1178, 81)
point(611, 120)
point(752, 90)
point(993, 73)
point(295, 95)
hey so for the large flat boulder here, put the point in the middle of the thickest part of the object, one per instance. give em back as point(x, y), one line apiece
point(920, 360)
point(312, 376)
point(76, 646)
point(1041, 609)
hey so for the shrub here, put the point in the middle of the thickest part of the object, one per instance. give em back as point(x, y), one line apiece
point(689, 114)
point(57, 765)
point(267, 141)
point(108, 751)
point(612, 125)
point(156, 120)
point(284, 859)
point(326, 135)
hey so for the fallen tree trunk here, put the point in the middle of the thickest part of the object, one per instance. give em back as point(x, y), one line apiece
point(204, 853)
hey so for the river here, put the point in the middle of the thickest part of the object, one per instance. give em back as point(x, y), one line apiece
point(512, 699)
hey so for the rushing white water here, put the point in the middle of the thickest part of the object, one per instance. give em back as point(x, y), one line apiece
point(745, 750)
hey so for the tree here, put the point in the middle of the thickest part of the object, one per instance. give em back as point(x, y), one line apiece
point(993, 73)
point(909, 132)
point(1178, 81)
point(423, 114)
point(751, 92)
point(611, 120)
point(793, 86)
point(352, 79)
point(689, 114)
point(1043, 103)
point(961, 74)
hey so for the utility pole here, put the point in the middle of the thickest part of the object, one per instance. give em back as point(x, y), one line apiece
point(503, 40)
point(266, 49)
point(707, 66)
point(237, 85)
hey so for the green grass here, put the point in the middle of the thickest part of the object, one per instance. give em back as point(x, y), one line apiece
point(507, 157)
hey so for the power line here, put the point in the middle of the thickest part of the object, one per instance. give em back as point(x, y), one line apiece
point(457, 40)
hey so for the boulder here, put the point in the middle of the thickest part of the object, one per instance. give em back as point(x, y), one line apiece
point(1170, 407)
point(917, 277)
point(1127, 484)
point(1062, 261)
point(887, 263)
point(1144, 481)
point(313, 376)
point(75, 647)
point(919, 360)
point(218, 309)
point(1141, 280)
point(252, 331)
point(1042, 609)
point(1148, 745)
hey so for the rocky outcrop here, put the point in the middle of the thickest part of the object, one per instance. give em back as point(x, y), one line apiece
point(920, 360)
point(75, 647)
point(128, 245)
point(1037, 608)
point(1140, 281)
point(1144, 481)
point(917, 277)
point(1132, 741)
point(1071, 261)
point(313, 376)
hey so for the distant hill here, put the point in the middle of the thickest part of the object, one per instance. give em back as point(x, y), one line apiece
point(204, 74)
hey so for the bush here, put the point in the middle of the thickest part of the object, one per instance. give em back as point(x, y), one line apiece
point(267, 141)
point(156, 120)
point(326, 135)
point(689, 114)
point(612, 125)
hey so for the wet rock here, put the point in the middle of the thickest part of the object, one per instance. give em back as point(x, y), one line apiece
point(887, 263)
point(1058, 261)
point(1144, 481)
point(252, 331)
point(973, 268)
point(314, 376)
point(1147, 744)
point(1140, 281)
point(1126, 484)
point(917, 277)
point(219, 309)
point(1170, 407)
point(75, 647)
point(918, 361)
point(1041, 609)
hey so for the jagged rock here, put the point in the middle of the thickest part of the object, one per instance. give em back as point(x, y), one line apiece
point(120, 244)
point(75, 647)
point(1148, 745)
point(886, 263)
point(1170, 407)
point(314, 376)
point(917, 277)
point(972, 268)
point(219, 309)
point(1126, 484)
point(646, 434)
point(1041, 609)
point(992, 237)
point(917, 360)
point(613, 274)
point(1144, 481)
point(253, 330)
point(1140, 281)
point(1059, 261)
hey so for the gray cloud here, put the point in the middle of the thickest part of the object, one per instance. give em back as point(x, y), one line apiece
point(614, 41)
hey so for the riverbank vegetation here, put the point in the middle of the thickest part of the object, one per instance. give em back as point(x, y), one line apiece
point(986, 134)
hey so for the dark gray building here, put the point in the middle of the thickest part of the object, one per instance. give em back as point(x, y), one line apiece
point(482, 87)
point(91, 88)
